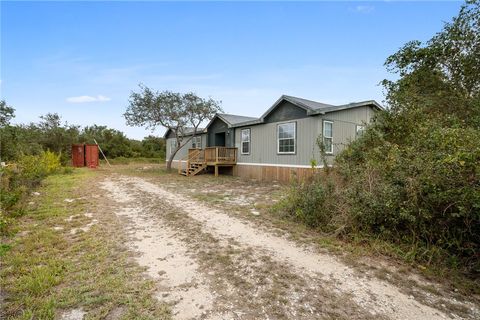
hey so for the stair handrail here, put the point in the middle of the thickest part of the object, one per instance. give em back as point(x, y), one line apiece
point(195, 153)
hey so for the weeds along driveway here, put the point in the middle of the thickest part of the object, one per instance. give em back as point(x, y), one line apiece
point(209, 263)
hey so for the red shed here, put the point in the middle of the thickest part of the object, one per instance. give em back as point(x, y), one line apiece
point(78, 155)
point(91, 155)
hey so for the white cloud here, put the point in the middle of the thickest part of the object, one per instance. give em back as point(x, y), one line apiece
point(84, 99)
point(364, 9)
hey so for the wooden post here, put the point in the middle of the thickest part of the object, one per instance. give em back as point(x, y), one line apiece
point(187, 171)
point(102, 152)
point(216, 171)
point(216, 158)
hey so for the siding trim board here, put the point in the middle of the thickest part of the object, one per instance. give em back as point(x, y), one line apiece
point(278, 165)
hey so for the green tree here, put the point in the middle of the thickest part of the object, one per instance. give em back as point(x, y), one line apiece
point(174, 111)
point(7, 113)
point(56, 137)
point(113, 142)
point(414, 176)
point(153, 147)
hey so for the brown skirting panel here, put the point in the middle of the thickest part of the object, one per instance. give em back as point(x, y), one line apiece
point(271, 173)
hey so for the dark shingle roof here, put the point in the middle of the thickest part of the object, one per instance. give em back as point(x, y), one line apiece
point(233, 119)
point(189, 131)
point(309, 104)
point(312, 108)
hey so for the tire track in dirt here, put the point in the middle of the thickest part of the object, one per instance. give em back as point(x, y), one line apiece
point(242, 284)
point(165, 258)
point(376, 296)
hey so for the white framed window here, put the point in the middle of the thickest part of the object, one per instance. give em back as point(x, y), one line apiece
point(245, 145)
point(328, 136)
point(173, 145)
point(197, 142)
point(286, 138)
point(359, 129)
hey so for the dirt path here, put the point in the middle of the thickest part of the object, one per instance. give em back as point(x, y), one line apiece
point(211, 265)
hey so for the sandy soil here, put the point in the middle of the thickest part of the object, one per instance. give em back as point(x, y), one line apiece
point(211, 265)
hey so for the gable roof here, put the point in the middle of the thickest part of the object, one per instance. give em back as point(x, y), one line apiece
point(314, 107)
point(310, 106)
point(188, 131)
point(233, 119)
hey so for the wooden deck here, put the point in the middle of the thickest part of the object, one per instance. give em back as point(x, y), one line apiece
point(198, 160)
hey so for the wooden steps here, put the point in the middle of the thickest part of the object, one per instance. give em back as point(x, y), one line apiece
point(198, 160)
point(193, 169)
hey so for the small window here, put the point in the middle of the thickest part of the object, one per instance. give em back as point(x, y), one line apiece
point(328, 136)
point(245, 141)
point(173, 145)
point(359, 130)
point(197, 142)
point(286, 136)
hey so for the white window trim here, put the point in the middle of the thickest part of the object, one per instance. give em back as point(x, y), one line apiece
point(197, 140)
point(249, 143)
point(357, 126)
point(294, 138)
point(324, 136)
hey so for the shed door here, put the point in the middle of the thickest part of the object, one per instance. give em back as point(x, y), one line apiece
point(78, 157)
point(91, 156)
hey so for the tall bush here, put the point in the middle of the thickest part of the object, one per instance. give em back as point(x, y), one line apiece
point(413, 177)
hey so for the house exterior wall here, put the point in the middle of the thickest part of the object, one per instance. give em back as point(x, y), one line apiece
point(344, 126)
point(183, 152)
point(218, 126)
point(264, 163)
point(263, 145)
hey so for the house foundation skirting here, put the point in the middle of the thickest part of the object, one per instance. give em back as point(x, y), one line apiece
point(266, 171)
point(272, 172)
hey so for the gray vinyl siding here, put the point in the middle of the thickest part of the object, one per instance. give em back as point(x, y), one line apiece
point(263, 138)
point(263, 145)
point(344, 125)
point(286, 111)
point(218, 126)
point(183, 152)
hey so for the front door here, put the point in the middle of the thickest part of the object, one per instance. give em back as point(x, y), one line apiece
point(220, 139)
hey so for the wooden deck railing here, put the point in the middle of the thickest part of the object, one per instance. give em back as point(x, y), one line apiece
point(219, 155)
point(213, 155)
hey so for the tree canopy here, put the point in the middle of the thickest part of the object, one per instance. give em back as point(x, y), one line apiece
point(175, 111)
point(413, 177)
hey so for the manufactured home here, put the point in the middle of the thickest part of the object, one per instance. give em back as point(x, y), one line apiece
point(280, 144)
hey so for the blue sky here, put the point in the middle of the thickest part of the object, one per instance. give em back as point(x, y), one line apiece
point(82, 59)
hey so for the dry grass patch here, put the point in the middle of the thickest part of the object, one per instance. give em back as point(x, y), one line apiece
point(50, 270)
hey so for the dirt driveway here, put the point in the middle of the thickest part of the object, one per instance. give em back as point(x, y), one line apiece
point(209, 263)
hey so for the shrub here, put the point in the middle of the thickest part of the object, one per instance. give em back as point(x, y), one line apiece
point(315, 202)
point(17, 179)
point(425, 191)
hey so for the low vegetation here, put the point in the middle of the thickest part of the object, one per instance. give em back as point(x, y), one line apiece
point(413, 179)
point(17, 140)
point(54, 267)
point(31, 152)
point(18, 179)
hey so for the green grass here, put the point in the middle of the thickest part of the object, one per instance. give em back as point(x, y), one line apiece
point(45, 272)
